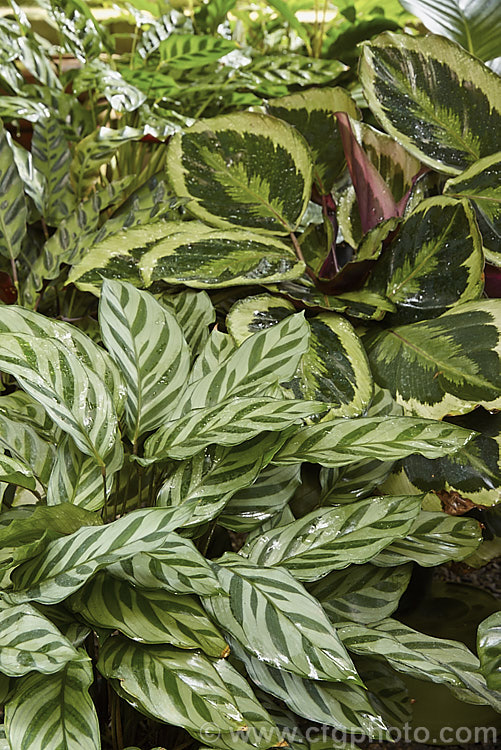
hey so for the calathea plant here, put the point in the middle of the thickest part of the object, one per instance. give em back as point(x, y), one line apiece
point(129, 461)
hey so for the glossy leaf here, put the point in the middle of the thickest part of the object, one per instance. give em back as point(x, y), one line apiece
point(245, 169)
point(13, 210)
point(480, 183)
point(331, 538)
point(24, 442)
point(311, 112)
point(447, 365)
point(362, 593)
point(341, 442)
point(423, 91)
point(73, 395)
point(435, 538)
point(194, 312)
point(434, 263)
point(423, 656)
point(54, 710)
point(272, 616)
point(52, 157)
point(475, 24)
point(69, 562)
point(14, 471)
point(489, 649)
point(30, 642)
point(177, 567)
point(80, 33)
point(121, 95)
point(178, 687)
point(147, 344)
point(147, 616)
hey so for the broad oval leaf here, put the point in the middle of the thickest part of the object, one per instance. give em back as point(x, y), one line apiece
point(153, 616)
point(489, 649)
point(331, 538)
point(245, 169)
point(30, 642)
point(203, 257)
point(178, 687)
point(343, 441)
point(362, 593)
point(435, 261)
point(69, 562)
point(273, 617)
point(447, 365)
point(423, 91)
point(147, 344)
point(312, 113)
point(481, 184)
point(72, 394)
point(54, 710)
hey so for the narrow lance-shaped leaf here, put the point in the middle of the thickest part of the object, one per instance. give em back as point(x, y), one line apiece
point(14, 471)
point(13, 210)
point(194, 312)
point(246, 169)
point(148, 346)
point(54, 710)
point(332, 538)
point(272, 616)
point(345, 441)
point(154, 616)
point(188, 51)
point(178, 687)
point(69, 562)
point(489, 649)
point(423, 91)
point(52, 157)
point(30, 642)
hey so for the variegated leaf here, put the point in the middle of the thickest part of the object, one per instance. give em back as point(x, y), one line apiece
point(194, 312)
point(447, 365)
point(213, 476)
point(14, 471)
point(30, 642)
point(69, 562)
point(54, 710)
point(178, 687)
point(333, 369)
point(148, 345)
point(267, 495)
point(121, 95)
point(435, 538)
point(187, 51)
point(243, 169)
point(362, 593)
point(147, 616)
point(272, 616)
point(311, 112)
point(423, 656)
point(340, 704)
point(489, 649)
point(52, 157)
point(13, 210)
point(24, 441)
point(480, 183)
point(227, 423)
point(73, 395)
point(388, 693)
point(202, 257)
point(178, 566)
point(344, 441)
point(435, 261)
point(21, 321)
point(79, 32)
point(216, 350)
point(333, 538)
point(423, 91)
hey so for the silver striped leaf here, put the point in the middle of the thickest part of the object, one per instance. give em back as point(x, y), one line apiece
point(388, 693)
point(69, 562)
point(148, 346)
point(244, 169)
point(178, 687)
point(194, 312)
point(216, 350)
point(54, 710)
point(423, 656)
point(178, 567)
point(30, 642)
point(362, 593)
point(24, 442)
point(72, 394)
point(341, 442)
point(489, 649)
point(147, 616)
point(333, 538)
point(273, 617)
point(16, 471)
point(434, 538)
